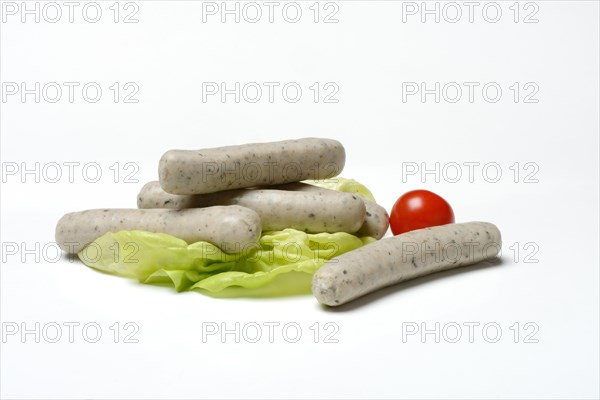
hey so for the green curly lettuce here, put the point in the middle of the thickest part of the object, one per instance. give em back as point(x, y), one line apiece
point(158, 258)
point(344, 185)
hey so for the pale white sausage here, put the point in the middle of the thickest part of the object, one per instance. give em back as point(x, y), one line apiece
point(234, 167)
point(403, 257)
point(377, 220)
point(232, 228)
point(317, 211)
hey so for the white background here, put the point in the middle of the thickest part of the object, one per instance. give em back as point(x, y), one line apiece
point(368, 54)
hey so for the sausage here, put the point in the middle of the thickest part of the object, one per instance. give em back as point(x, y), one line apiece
point(377, 220)
point(403, 257)
point(231, 228)
point(319, 211)
point(236, 167)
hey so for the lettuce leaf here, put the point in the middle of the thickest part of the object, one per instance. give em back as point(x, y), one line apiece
point(158, 258)
point(344, 185)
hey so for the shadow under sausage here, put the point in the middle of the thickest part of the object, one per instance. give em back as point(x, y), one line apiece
point(384, 292)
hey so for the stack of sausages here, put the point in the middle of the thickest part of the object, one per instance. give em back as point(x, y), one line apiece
point(229, 195)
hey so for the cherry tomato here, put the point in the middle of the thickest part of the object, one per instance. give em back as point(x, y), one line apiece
point(419, 209)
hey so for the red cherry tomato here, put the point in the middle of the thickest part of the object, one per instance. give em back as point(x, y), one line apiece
point(419, 209)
